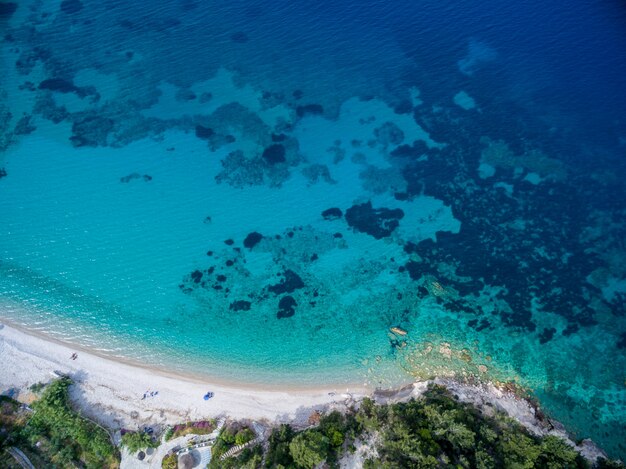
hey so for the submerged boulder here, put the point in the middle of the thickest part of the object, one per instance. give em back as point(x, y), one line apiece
point(290, 283)
point(240, 305)
point(332, 213)
point(286, 307)
point(91, 131)
point(7, 9)
point(274, 154)
point(252, 239)
point(379, 222)
point(314, 109)
point(71, 6)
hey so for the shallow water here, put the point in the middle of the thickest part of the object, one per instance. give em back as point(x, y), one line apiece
point(168, 175)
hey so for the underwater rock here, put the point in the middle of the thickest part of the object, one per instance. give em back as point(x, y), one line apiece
point(418, 149)
point(239, 171)
point(71, 6)
point(24, 126)
point(389, 134)
point(313, 109)
point(185, 94)
point(332, 213)
point(196, 276)
point(204, 133)
point(240, 305)
point(378, 223)
point(7, 9)
point(290, 283)
point(3, 173)
point(286, 307)
point(274, 154)
point(59, 85)
point(252, 239)
point(546, 335)
point(317, 171)
point(91, 131)
point(132, 176)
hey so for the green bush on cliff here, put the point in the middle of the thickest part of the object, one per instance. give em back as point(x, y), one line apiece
point(69, 438)
point(436, 428)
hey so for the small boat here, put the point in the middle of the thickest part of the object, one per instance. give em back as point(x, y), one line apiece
point(398, 330)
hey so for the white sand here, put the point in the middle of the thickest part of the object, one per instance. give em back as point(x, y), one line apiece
point(111, 392)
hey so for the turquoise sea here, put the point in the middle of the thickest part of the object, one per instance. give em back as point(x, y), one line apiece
point(259, 192)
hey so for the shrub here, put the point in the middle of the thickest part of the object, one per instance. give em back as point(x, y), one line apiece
point(72, 438)
point(309, 448)
point(243, 436)
point(278, 453)
point(170, 461)
point(135, 441)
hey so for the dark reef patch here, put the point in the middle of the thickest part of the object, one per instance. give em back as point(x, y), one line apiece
point(7, 9)
point(313, 109)
point(59, 85)
point(252, 240)
point(71, 6)
point(91, 131)
point(333, 213)
point(204, 133)
point(378, 223)
point(133, 176)
point(286, 307)
point(24, 126)
point(418, 149)
point(196, 276)
point(290, 283)
point(3, 173)
point(546, 335)
point(274, 154)
point(240, 305)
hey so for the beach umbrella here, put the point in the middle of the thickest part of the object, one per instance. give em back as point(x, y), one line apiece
point(186, 461)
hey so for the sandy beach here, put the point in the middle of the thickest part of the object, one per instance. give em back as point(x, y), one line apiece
point(112, 392)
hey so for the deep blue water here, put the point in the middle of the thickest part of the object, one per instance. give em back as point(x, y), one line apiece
point(166, 171)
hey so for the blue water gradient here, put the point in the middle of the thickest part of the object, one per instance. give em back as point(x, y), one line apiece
point(259, 192)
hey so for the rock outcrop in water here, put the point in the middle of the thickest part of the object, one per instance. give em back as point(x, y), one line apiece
point(378, 223)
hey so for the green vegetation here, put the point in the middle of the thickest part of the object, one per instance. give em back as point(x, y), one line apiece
point(233, 435)
point(136, 441)
point(438, 431)
point(170, 461)
point(435, 431)
point(54, 435)
point(203, 427)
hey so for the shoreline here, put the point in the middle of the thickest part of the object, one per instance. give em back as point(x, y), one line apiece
point(110, 392)
point(185, 375)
